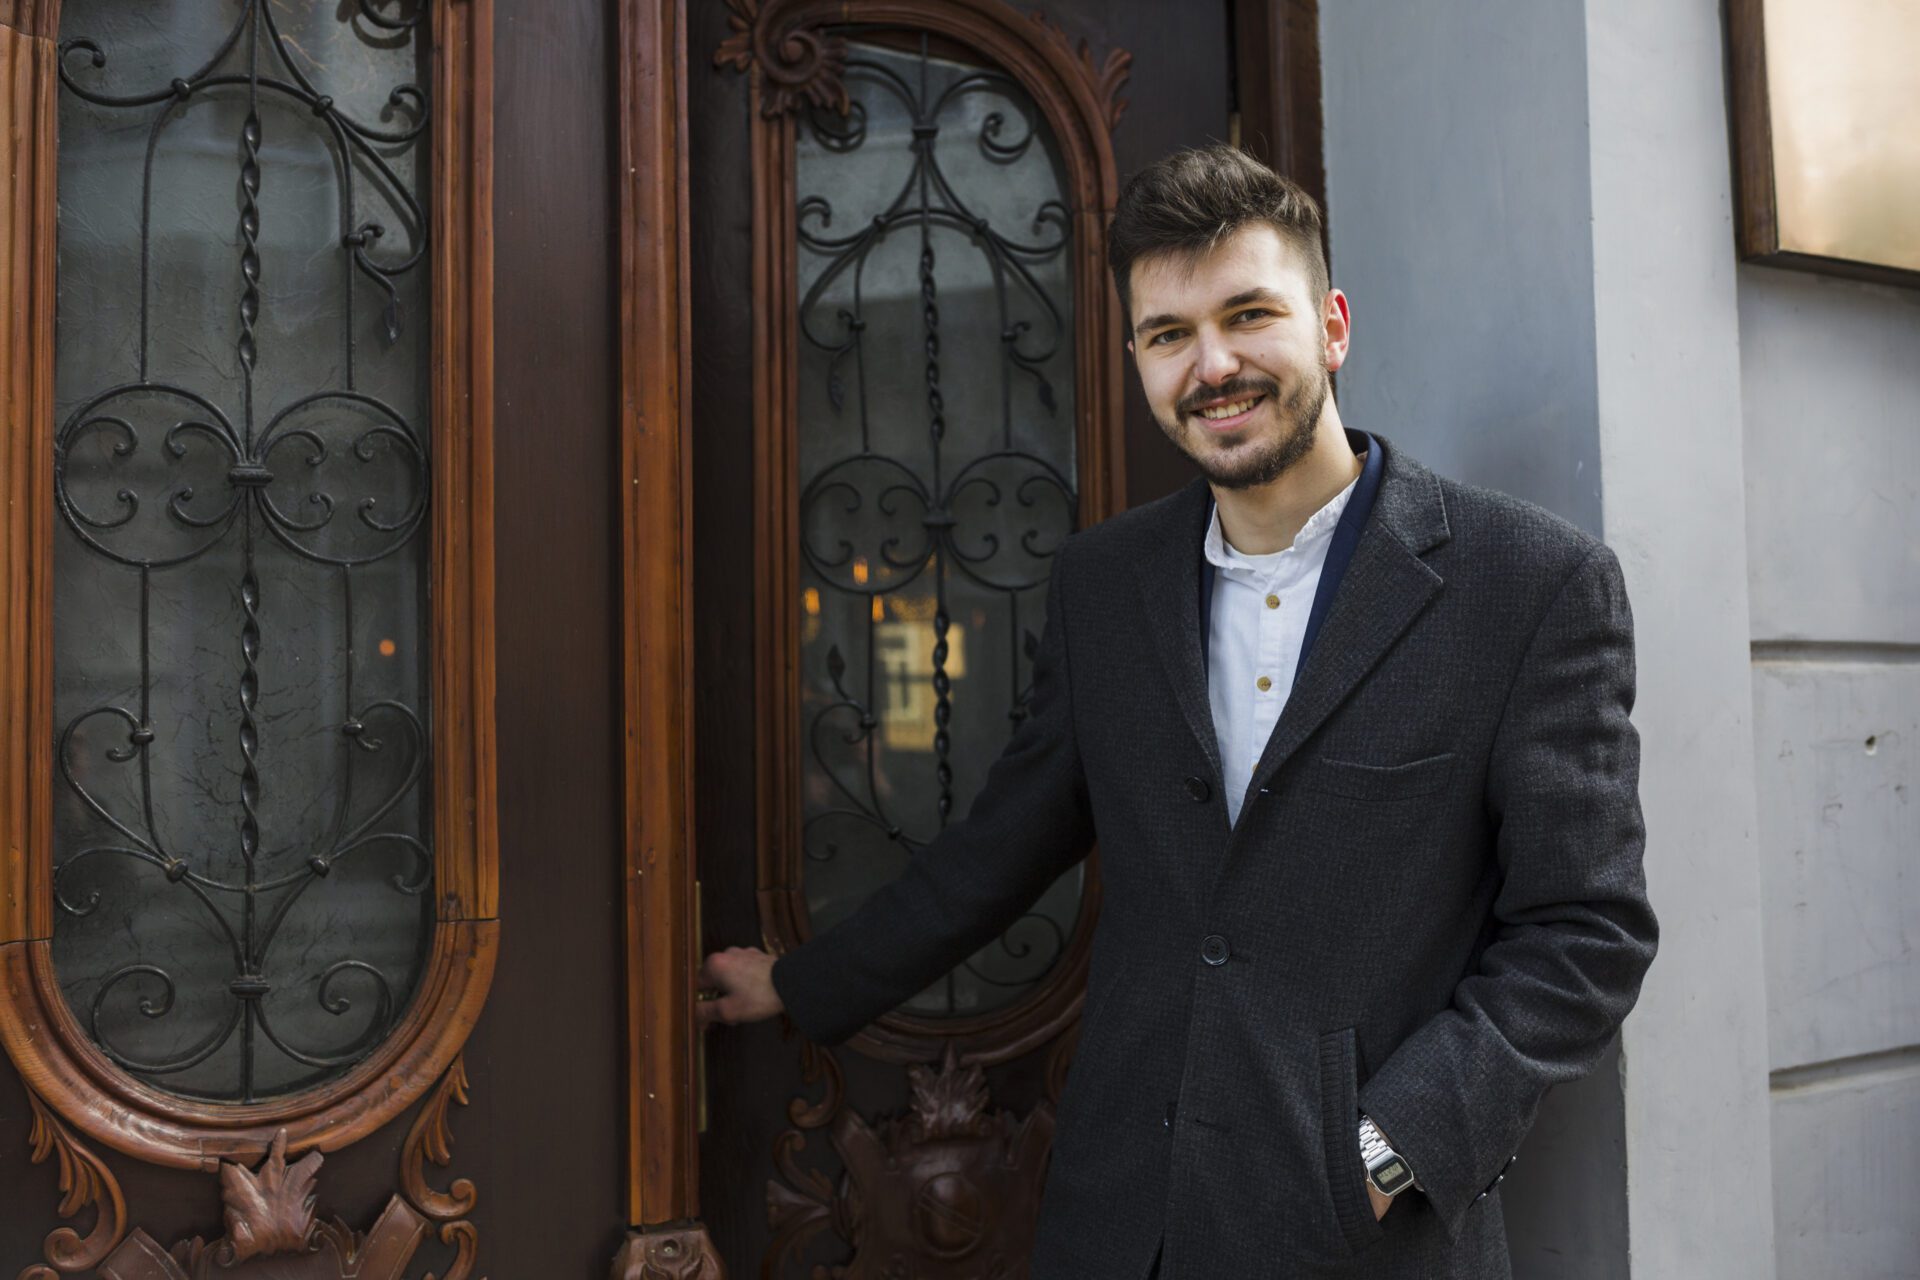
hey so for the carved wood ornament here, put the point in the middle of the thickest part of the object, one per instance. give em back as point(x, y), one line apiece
point(272, 1231)
point(66, 1072)
point(948, 1190)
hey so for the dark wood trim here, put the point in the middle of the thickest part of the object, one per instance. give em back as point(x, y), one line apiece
point(1276, 52)
point(657, 615)
point(792, 57)
point(54, 1056)
point(1752, 127)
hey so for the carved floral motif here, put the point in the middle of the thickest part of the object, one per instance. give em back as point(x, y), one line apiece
point(430, 1139)
point(808, 64)
point(270, 1210)
point(84, 1181)
point(797, 63)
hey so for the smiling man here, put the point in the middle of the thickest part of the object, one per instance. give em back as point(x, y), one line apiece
point(1354, 742)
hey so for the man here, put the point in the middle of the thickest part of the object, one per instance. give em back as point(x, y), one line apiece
point(1353, 740)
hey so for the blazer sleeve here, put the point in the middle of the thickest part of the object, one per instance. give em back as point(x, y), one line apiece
point(1029, 824)
point(1572, 931)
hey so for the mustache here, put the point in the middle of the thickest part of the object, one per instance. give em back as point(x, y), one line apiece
point(1231, 390)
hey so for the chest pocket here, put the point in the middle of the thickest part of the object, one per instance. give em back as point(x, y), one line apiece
point(1361, 781)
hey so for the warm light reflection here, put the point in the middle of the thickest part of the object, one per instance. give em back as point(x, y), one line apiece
point(387, 648)
point(810, 600)
point(1843, 89)
point(879, 610)
point(860, 570)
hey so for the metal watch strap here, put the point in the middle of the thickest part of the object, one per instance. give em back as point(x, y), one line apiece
point(1381, 1159)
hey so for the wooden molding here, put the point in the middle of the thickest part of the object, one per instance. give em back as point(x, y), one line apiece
point(657, 615)
point(54, 1055)
point(30, 17)
point(786, 47)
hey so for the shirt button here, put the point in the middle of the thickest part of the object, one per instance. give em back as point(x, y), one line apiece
point(1263, 684)
point(1198, 788)
point(1273, 602)
point(1214, 950)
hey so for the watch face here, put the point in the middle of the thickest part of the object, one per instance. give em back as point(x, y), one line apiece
point(1392, 1178)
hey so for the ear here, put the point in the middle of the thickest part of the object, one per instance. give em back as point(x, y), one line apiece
point(1130, 350)
point(1337, 321)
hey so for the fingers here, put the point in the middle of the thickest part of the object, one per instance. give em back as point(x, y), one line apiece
point(725, 980)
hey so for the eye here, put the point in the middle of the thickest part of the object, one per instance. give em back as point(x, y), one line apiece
point(1165, 336)
point(1252, 312)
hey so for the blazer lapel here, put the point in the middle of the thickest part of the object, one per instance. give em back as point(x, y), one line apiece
point(1387, 585)
point(1170, 587)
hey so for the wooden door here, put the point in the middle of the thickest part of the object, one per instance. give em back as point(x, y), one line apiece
point(907, 385)
point(494, 1141)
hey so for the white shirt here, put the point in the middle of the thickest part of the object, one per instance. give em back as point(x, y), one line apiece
point(1260, 610)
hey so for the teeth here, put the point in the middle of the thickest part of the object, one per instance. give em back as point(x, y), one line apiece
point(1228, 410)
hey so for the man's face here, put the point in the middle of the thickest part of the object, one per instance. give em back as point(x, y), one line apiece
point(1234, 350)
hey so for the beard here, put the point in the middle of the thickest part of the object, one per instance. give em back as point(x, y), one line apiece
point(1248, 466)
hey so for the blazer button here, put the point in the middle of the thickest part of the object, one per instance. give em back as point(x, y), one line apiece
point(1214, 950)
point(1198, 789)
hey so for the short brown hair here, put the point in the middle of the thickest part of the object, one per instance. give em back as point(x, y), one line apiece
point(1192, 200)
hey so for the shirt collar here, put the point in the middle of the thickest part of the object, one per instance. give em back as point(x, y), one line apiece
point(1312, 536)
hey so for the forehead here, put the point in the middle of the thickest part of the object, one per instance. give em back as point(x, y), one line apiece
point(1181, 283)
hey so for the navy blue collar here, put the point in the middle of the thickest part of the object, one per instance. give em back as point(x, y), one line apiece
point(1346, 536)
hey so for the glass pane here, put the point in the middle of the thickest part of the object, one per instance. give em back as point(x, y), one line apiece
point(937, 465)
point(240, 568)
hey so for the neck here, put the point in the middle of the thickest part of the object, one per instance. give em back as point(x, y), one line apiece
point(1268, 517)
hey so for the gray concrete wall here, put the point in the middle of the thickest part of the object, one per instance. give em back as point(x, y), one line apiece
point(1673, 479)
point(1831, 377)
point(1457, 185)
point(1459, 202)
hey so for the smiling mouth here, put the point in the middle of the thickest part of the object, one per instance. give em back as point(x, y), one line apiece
point(1228, 414)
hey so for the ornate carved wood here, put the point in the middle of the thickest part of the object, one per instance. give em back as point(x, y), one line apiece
point(793, 56)
point(669, 1253)
point(272, 1231)
point(948, 1190)
point(61, 1066)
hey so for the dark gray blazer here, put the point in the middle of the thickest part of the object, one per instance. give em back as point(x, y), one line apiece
point(1432, 908)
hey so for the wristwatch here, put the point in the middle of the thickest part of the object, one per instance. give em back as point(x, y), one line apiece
point(1387, 1172)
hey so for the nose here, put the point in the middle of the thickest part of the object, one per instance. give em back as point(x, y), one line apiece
point(1214, 360)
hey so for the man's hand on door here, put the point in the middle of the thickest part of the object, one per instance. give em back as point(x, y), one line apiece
point(736, 985)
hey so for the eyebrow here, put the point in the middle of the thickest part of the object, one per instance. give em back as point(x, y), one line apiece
point(1240, 299)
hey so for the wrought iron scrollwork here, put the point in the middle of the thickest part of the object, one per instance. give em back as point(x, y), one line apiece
point(984, 498)
point(155, 479)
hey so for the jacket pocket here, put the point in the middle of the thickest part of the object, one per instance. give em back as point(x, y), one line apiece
point(1340, 1131)
point(1361, 781)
